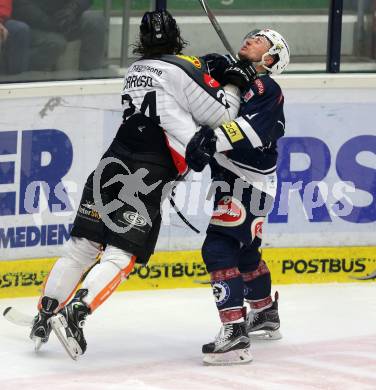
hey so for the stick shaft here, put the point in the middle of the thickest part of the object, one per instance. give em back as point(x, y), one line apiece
point(217, 27)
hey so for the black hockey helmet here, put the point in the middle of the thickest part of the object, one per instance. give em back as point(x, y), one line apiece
point(158, 28)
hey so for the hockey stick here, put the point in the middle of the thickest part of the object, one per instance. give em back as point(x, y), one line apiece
point(18, 318)
point(217, 27)
point(173, 204)
point(21, 319)
point(367, 277)
point(179, 213)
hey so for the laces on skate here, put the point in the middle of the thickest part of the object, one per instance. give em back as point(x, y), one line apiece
point(230, 346)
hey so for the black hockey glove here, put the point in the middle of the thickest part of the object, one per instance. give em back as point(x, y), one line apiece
point(217, 65)
point(242, 74)
point(201, 148)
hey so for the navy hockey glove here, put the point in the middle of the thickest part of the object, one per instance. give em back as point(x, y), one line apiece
point(201, 148)
point(242, 74)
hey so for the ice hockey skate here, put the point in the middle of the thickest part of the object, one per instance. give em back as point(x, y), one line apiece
point(72, 319)
point(41, 327)
point(265, 324)
point(231, 346)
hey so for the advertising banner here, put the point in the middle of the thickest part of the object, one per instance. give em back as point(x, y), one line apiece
point(326, 176)
point(185, 269)
point(48, 146)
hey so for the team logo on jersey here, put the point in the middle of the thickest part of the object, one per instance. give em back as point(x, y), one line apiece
point(229, 212)
point(221, 292)
point(210, 82)
point(134, 218)
point(260, 86)
point(233, 131)
point(87, 208)
point(193, 60)
point(256, 228)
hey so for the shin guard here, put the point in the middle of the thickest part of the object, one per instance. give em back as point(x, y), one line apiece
point(228, 292)
point(257, 283)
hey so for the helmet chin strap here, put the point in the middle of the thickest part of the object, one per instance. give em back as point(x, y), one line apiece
point(262, 62)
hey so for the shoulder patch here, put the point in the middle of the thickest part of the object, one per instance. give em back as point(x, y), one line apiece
point(193, 60)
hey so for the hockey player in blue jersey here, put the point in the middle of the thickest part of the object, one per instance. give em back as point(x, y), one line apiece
point(242, 155)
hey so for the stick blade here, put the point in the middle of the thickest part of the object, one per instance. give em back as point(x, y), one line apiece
point(18, 318)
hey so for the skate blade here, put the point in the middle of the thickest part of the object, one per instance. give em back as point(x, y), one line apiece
point(37, 343)
point(58, 323)
point(240, 356)
point(265, 335)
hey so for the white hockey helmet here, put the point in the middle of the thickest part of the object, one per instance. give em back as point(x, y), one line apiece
point(279, 49)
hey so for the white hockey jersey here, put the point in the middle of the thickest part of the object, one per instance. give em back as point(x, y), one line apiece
point(178, 95)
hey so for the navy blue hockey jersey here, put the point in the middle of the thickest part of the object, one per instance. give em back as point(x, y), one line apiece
point(257, 128)
point(248, 144)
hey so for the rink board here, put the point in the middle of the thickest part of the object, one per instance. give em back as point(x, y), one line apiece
point(185, 269)
point(330, 146)
point(52, 135)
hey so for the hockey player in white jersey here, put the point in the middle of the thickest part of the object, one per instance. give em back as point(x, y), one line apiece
point(242, 155)
point(165, 97)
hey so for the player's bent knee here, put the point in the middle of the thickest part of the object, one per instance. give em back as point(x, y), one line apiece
point(219, 252)
point(81, 250)
point(119, 257)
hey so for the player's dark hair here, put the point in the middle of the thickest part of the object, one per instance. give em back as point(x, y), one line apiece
point(159, 34)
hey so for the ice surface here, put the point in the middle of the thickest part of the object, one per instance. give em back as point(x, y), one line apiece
point(151, 340)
